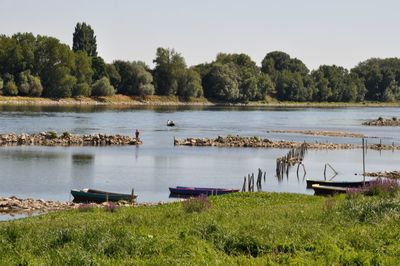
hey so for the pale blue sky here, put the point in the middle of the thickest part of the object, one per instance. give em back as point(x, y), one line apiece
point(316, 31)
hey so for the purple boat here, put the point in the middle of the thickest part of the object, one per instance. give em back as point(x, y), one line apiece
point(197, 191)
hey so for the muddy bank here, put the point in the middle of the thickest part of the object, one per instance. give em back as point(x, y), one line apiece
point(257, 142)
point(386, 174)
point(322, 133)
point(383, 122)
point(66, 139)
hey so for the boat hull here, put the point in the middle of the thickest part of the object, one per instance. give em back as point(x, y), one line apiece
point(347, 184)
point(328, 190)
point(195, 191)
point(99, 196)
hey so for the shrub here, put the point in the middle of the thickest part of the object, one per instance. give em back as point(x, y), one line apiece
point(81, 89)
point(111, 207)
point(10, 89)
point(66, 134)
point(52, 134)
point(102, 87)
point(382, 187)
point(86, 207)
point(198, 204)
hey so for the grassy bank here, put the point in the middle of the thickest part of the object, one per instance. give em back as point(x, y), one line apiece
point(123, 100)
point(246, 229)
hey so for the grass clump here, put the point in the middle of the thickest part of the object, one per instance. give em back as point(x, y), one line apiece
point(198, 204)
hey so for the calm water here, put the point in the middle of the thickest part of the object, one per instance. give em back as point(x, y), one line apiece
point(50, 172)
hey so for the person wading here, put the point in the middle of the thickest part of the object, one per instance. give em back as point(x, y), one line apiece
point(137, 134)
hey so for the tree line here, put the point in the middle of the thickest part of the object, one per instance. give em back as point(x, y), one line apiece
point(43, 66)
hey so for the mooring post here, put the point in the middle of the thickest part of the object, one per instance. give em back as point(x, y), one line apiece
point(363, 148)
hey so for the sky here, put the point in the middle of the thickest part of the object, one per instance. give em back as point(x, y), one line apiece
point(315, 31)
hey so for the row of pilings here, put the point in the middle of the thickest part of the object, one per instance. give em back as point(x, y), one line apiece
point(293, 157)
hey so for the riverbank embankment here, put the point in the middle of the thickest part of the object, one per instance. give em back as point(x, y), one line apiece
point(156, 100)
point(66, 139)
point(258, 142)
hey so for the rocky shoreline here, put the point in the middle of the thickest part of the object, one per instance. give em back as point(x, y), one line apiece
point(257, 142)
point(322, 133)
point(13, 205)
point(66, 139)
point(385, 174)
point(383, 122)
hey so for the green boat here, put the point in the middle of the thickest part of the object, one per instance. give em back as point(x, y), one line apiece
point(92, 195)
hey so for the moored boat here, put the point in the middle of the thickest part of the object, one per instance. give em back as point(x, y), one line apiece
point(92, 195)
point(328, 190)
point(347, 184)
point(197, 191)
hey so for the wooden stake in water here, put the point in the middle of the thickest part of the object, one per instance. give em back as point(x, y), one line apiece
point(363, 148)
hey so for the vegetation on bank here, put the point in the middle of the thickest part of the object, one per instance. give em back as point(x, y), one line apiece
point(242, 228)
point(37, 66)
point(119, 100)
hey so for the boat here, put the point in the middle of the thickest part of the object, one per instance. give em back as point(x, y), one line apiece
point(347, 184)
point(197, 191)
point(328, 190)
point(170, 123)
point(92, 195)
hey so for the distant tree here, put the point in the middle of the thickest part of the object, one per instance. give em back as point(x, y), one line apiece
point(381, 77)
point(11, 88)
point(169, 69)
point(55, 63)
point(84, 39)
point(1, 85)
point(99, 67)
point(222, 82)
point(190, 85)
point(81, 89)
point(113, 75)
point(143, 81)
point(102, 87)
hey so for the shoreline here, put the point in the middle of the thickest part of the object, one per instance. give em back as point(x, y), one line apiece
point(135, 101)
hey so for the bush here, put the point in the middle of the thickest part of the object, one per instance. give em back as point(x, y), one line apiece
point(52, 134)
point(111, 207)
point(102, 87)
point(10, 89)
point(198, 204)
point(382, 187)
point(81, 89)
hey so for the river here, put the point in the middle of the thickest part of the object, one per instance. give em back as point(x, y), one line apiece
point(51, 172)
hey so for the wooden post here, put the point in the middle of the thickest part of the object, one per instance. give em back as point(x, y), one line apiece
point(363, 148)
point(244, 185)
point(133, 195)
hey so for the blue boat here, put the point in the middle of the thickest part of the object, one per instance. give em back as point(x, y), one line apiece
point(197, 191)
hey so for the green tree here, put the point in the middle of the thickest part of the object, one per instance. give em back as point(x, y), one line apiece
point(113, 75)
point(102, 87)
point(169, 69)
point(190, 85)
point(99, 68)
point(1, 86)
point(142, 81)
point(83, 73)
point(55, 63)
point(222, 82)
point(11, 88)
point(84, 39)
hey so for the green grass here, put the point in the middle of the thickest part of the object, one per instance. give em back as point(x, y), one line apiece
point(240, 229)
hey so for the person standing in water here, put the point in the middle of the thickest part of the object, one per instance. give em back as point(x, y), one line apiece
point(137, 134)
